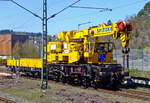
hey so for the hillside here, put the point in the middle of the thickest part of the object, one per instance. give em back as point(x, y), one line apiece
point(7, 31)
point(140, 35)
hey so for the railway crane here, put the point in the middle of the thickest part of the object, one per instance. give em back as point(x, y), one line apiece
point(80, 57)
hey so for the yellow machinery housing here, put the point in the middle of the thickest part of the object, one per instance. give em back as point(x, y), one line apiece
point(76, 47)
point(30, 63)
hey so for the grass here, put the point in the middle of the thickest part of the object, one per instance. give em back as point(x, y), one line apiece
point(29, 90)
point(35, 94)
point(25, 93)
point(139, 73)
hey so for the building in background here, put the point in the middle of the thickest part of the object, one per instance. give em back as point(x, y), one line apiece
point(7, 41)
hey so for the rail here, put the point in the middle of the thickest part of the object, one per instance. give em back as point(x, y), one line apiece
point(6, 100)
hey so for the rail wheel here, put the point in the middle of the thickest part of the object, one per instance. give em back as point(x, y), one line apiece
point(57, 76)
point(63, 79)
point(95, 85)
point(116, 82)
point(95, 82)
point(85, 82)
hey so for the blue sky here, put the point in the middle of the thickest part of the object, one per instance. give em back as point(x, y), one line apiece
point(15, 18)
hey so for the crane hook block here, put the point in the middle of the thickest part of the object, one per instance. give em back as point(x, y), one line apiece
point(124, 25)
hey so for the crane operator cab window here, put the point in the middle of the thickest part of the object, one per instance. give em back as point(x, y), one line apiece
point(103, 47)
point(89, 47)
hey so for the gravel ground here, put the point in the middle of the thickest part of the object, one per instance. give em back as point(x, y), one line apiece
point(27, 91)
point(81, 97)
point(10, 83)
point(62, 94)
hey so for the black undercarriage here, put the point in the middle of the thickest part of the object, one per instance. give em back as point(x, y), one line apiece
point(96, 75)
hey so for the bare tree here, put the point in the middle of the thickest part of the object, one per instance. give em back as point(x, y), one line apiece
point(25, 50)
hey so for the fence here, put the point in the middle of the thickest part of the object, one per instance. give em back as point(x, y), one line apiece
point(138, 58)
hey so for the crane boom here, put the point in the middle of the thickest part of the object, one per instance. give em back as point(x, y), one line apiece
point(117, 30)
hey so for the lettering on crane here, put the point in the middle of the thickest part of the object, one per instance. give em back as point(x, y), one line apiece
point(104, 29)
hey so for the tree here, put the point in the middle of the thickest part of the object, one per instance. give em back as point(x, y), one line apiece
point(145, 11)
point(25, 50)
point(6, 31)
point(16, 51)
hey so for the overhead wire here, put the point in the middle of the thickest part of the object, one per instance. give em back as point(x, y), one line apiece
point(25, 9)
point(52, 16)
point(87, 7)
point(38, 15)
point(93, 13)
point(57, 2)
point(97, 13)
point(4, 0)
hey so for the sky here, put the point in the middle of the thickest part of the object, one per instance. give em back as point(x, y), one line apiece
point(14, 18)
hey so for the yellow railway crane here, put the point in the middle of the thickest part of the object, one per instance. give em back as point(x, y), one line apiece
point(78, 59)
point(75, 44)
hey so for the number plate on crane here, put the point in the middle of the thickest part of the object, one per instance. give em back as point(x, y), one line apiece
point(102, 58)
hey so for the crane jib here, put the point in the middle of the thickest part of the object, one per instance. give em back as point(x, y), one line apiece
point(104, 29)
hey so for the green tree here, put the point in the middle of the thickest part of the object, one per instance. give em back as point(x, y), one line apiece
point(145, 11)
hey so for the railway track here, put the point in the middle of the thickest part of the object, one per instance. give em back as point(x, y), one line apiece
point(145, 96)
point(6, 100)
point(135, 94)
point(141, 81)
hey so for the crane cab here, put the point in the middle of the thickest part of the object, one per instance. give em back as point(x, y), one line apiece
point(100, 52)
